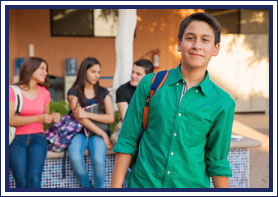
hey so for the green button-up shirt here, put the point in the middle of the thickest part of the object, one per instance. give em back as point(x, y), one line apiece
point(185, 142)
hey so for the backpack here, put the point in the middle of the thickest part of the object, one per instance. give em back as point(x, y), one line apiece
point(60, 134)
point(157, 81)
point(18, 106)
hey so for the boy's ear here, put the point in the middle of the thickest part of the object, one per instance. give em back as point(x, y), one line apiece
point(216, 49)
point(179, 48)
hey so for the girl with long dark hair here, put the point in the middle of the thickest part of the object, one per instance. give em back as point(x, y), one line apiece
point(86, 91)
point(29, 148)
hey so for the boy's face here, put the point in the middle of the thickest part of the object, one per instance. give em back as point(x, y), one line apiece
point(138, 72)
point(197, 45)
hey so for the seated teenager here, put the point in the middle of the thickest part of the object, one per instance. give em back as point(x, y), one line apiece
point(85, 92)
point(29, 148)
point(125, 92)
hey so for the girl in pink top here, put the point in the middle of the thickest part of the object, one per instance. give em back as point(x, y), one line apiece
point(29, 148)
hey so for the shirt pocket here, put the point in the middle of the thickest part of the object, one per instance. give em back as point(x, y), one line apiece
point(197, 130)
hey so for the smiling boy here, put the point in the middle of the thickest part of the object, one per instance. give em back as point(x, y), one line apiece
point(190, 120)
point(125, 92)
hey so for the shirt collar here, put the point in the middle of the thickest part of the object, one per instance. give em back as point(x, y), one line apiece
point(176, 76)
point(205, 85)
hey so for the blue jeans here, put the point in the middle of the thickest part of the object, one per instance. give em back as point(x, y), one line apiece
point(97, 150)
point(27, 156)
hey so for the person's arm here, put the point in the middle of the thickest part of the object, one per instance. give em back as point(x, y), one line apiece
point(106, 118)
point(122, 106)
point(17, 120)
point(122, 162)
point(46, 113)
point(73, 101)
point(218, 145)
point(220, 181)
point(126, 145)
point(55, 117)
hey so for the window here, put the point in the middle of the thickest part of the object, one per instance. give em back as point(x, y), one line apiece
point(228, 19)
point(84, 22)
point(242, 21)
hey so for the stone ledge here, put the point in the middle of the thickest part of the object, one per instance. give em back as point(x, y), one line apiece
point(245, 142)
point(51, 154)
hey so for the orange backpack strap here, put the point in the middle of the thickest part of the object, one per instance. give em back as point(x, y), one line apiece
point(157, 81)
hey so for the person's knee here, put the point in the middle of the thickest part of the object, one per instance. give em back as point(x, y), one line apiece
point(78, 166)
point(76, 160)
point(99, 162)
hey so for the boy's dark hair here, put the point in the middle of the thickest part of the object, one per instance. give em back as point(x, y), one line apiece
point(148, 65)
point(205, 17)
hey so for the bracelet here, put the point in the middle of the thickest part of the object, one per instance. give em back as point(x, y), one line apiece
point(39, 118)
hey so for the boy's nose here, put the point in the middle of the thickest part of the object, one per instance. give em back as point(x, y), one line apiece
point(196, 44)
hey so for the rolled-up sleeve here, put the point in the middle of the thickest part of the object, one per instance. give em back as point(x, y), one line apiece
point(218, 143)
point(132, 123)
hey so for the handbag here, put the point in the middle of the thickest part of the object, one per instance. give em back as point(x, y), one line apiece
point(94, 108)
point(18, 107)
point(60, 134)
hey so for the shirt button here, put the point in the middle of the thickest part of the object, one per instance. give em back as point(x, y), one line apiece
point(178, 84)
point(168, 172)
point(172, 153)
point(175, 134)
point(179, 114)
point(196, 90)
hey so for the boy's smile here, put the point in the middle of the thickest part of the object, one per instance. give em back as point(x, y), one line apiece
point(197, 45)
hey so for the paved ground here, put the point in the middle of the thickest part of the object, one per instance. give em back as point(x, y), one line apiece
point(259, 157)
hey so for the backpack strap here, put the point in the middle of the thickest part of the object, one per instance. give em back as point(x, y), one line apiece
point(157, 81)
point(18, 98)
